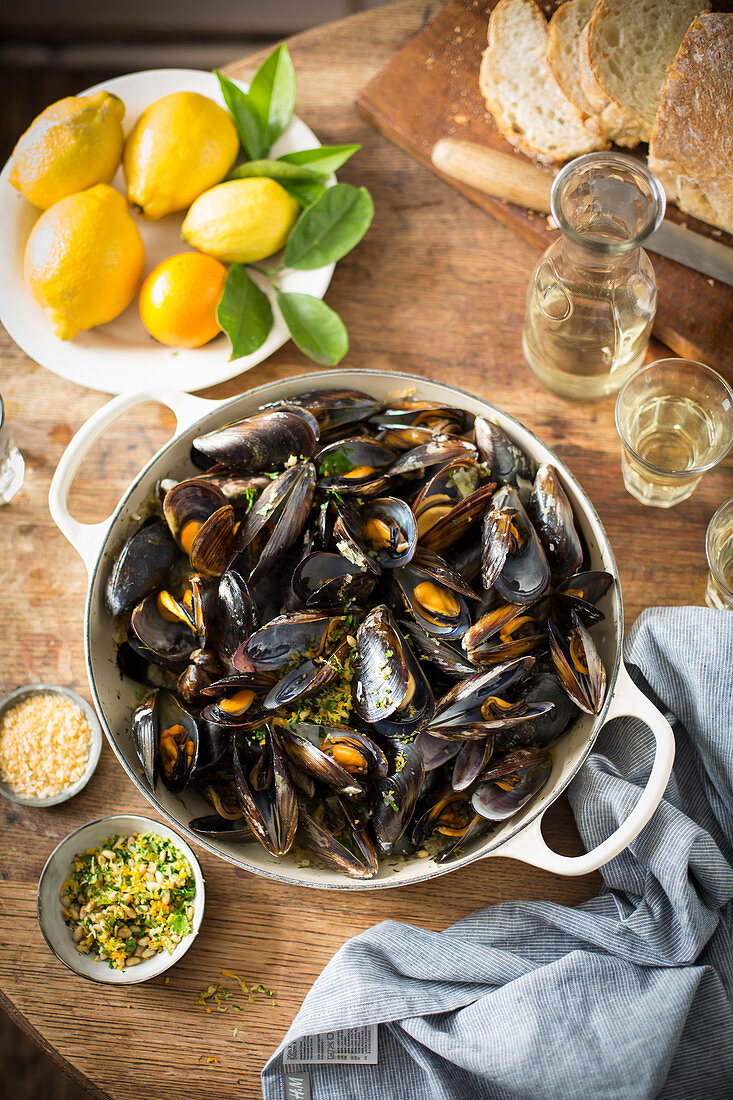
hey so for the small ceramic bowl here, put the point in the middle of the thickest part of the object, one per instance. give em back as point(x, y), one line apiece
point(95, 746)
point(50, 913)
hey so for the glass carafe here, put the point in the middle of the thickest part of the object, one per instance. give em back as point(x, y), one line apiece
point(593, 295)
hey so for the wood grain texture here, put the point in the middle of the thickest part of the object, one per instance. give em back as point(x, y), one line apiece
point(440, 67)
point(436, 288)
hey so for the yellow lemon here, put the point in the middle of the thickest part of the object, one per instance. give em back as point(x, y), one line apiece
point(72, 145)
point(84, 260)
point(241, 221)
point(181, 145)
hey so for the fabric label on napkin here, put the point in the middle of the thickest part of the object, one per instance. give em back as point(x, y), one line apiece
point(358, 1046)
point(297, 1086)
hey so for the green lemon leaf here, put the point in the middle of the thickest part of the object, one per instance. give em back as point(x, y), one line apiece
point(251, 130)
point(315, 328)
point(274, 170)
point(272, 93)
point(306, 192)
point(244, 313)
point(330, 228)
point(324, 160)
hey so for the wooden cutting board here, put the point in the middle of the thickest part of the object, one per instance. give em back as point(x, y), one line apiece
point(430, 90)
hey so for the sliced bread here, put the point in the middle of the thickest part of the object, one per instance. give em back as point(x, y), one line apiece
point(528, 105)
point(625, 52)
point(691, 147)
point(566, 27)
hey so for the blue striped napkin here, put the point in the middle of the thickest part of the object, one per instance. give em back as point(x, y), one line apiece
point(629, 995)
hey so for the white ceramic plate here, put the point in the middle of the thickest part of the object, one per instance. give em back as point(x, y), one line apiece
point(121, 356)
point(50, 917)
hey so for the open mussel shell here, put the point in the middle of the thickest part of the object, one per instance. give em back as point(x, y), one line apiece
point(435, 751)
point(212, 549)
point(510, 782)
point(552, 518)
point(266, 794)
point(277, 518)
point(166, 738)
point(168, 638)
point(334, 409)
point(525, 574)
point(449, 814)
point(390, 689)
point(578, 663)
point(139, 664)
point(589, 587)
point(462, 707)
point(236, 701)
point(382, 534)
point(395, 797)
point(239, 489)
point(506, 631)
point(438, 452)
point(307, 678)
point(428, 416)
point(508, 463)
point(452, 483)
point(213, 827)
point(262, 441)
point(140, 568)
point(188, 505)
point(445, 655)
point(355, 466)
point(305, 633)
point(545, 688)
point(203, 669)
point(496, 531)
point(236, 615)
point(329, 580)
point(337, 836)
point(453, 522)
point(477, 827)
point(334, 755)
point(472, 758)
point(434, 594)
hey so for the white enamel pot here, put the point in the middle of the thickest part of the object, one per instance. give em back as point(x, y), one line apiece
point(520, 837)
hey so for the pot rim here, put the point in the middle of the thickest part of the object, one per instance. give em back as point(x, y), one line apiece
point(490, 846)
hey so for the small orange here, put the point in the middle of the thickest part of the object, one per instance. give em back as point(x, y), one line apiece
point(178, 300)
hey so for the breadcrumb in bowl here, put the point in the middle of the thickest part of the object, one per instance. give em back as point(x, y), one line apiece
point(50, 741)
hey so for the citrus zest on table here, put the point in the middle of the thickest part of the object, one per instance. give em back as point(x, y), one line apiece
point(129, 899)
point(44, 745)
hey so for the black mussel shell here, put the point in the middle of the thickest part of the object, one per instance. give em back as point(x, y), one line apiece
point(390, 689)
point(213, 827)
point(496, 531)
point(145, 738)
point(354, 466)
point(266, 794)
point(236, 615)
point(261, 441)
point(337, 836)
point(187, 506)
point(395, 797)
point(507, 461)
point(552, 518)
point(329, 580)
point(525, 574)
point(334, 409)
point(170, 639)
point(308, 757)
point(435, 751)
point(212, 549)
point(306, 633)
point(438, 608)
point(382, 534)
point(449, 814)
point(471, 760)
point(139, 665)
point(204, 668)
point(544, 688)
point(307, 678)
point(476, 828)
point(166, 738)
point(509, 783)
point(140, 568)
point(589, 587)
point(506, 630)
point(438, 452)
point(454, 524)
point(239, 489)
point(279, 514)
point(578, 664)
point(461, 707)
point(447, 656)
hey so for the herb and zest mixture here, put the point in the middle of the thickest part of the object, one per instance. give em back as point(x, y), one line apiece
point(129, 899)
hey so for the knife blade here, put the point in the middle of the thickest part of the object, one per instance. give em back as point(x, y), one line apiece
point(513, 180)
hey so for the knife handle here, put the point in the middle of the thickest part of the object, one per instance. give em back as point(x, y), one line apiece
point(497, 174)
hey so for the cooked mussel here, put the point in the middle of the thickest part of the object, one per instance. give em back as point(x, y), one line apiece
point(525, 573)
point(578, 664)
point(237, 616)
point(303, 634)
point(166, 738)
point(507, 630)
point(395, 797)
point(334, 409)
point(265, 792)
point(355, 466)
point(435, 595)
point(330, 581)
point(552, 518)
point(336, 833)
point(262, 441)
point(390, 689)
point(382, 534)
point(213, 827)
point(482, 703)
point(171, 638)
point(510, 782)
point(141, 567)
point(236, 701)
point(508, 463)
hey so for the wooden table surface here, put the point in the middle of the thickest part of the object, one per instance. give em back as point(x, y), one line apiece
point(436, 288)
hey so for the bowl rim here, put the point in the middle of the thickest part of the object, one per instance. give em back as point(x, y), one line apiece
point(199, 899)
point(95, 746)
point(321, 379)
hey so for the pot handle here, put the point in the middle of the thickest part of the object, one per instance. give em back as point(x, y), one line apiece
point(87, 538)
point(529, 846)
